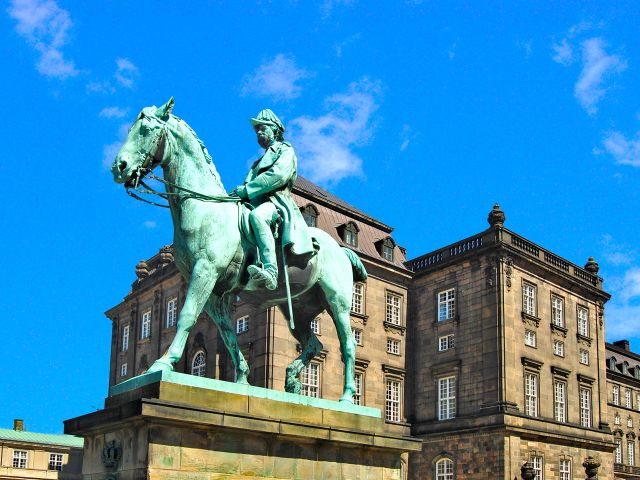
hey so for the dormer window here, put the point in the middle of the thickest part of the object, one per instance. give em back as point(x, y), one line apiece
point(386, 248)
point(310, 215)
point(350, 234)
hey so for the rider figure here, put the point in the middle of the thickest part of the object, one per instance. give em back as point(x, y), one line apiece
point(267, 188)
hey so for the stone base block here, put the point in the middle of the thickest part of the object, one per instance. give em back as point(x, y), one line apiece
point(174, 426)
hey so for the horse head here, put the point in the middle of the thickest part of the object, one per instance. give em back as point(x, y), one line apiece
point(146, 139)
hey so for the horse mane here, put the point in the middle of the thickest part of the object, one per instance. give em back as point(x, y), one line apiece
point(205, 152)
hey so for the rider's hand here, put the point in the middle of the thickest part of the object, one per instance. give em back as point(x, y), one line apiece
point(240, 191)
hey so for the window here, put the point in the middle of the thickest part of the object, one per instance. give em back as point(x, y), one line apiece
point(616, 419)
point(637, 401)
point(446, 342)
point(446, 304)
point(618, 452)
point(631, 457)
point(242, 324)
point(444, 469)
point(446, 398)
point(123, 370)
point(350, 234)
point(392, 403)
point(125, 338)
point(584, 356)
point(615, 391)
point(585, 407)
point(310, 379)
point(393, 346)
point(357, 397)
point(357, 299)
point(357, 336)
point(145, 327)
point(565, 469)
point(529, 299)
point(531, 394)
point(630, 422)
point(315, 326)
point(19, 459)
point(560, 401)
point(557, 311)
point(583, 321)
point(627, 398)
point(172, 312)
point(199, 364)
point(536, 461)
point(387, 249)
point(310, 215)
point(55, 461)
point(393, 308)
point(530, 338)
point(558, 348)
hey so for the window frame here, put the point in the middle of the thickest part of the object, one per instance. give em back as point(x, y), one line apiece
point(560, 404)
point(20, 458)
point(557, 311)
point(565, 473)
point(532, 334)
point(444, 469)
point(350, 234)
point(310, 212)
point(446, 304)
point(308, 389)
point(171, 318)
point(531, 395)
point(615, 394)
point(537, 461)
point(617, 453)
point(628, 400)
point(559, 352)
point(447, 397)
point(358, 293)
point(393, 312)
point(446, 342)
point(582, 321)
point(393, 346)
point(358, 396)
point(125, 338)
point(393, 400)
point(586, 414)
point(357, 335)
point(145, 325)
point(532, 309)
point(200, 369)
point(242, 324)
point(56, 462)
point(583, 356)
point(631, 452)
point(123, 369)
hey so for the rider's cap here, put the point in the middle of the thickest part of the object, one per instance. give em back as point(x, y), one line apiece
point(267, 117)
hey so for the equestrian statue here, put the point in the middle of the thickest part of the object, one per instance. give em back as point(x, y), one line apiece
point(251, 242)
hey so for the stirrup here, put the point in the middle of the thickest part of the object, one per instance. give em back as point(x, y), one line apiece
point(260, 274)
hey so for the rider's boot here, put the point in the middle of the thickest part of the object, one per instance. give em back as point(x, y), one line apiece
point(267, 246)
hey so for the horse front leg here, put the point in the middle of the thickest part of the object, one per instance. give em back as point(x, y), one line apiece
point(203, 279)
point(219, 309)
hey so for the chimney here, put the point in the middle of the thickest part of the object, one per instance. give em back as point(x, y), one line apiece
point(18, 425)
point(622, 344)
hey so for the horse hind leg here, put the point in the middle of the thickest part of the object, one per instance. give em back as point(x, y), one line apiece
point(219, 309)
point(304, 310)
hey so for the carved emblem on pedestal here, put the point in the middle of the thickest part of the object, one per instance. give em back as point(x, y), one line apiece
point(111, 455)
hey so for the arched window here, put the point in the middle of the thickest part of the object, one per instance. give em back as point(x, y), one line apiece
point(199, 364)
point(444, 469)
point(310, 215)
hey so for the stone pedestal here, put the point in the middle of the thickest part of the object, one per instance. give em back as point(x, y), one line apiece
point(175, 426)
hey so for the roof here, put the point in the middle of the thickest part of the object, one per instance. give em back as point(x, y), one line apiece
point(303, 186)
point(40, 438)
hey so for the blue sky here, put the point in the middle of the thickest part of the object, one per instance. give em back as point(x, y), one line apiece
point(421, 113)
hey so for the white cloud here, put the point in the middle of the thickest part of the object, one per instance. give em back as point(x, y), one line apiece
point(563, 53)
point(625, 151)
point(324, 144)
point(451, 53)
point(46, 27)
point(630, 285)
point(110, 150)
point(615, 253)
point(97, 86)
point(597, 66)
point(327, 6)
point(622, 321)
point(276, 79)
point(407, 135)
point(339, 47)
point(126, 72)
point(113, 112)
point(150, 224)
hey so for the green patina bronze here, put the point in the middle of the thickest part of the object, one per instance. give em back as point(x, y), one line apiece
point(224, 248)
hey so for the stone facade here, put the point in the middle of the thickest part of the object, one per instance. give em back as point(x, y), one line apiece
point(500, 346)
point(31, 455)
point(623, 398)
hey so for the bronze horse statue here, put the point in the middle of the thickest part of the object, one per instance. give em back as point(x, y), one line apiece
point(211, 251)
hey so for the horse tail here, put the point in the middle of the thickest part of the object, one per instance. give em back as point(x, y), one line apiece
point(359, 272)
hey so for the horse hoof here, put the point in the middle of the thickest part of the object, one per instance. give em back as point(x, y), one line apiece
point(347, 399)
point(160, 366)
point(242, 380)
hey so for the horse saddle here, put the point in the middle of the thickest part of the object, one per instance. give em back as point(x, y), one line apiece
point(300, 268)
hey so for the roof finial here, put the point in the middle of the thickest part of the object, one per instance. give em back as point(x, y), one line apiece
point(496, 216)
point(592, 266)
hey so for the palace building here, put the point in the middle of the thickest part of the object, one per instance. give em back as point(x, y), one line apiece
point(491, 350)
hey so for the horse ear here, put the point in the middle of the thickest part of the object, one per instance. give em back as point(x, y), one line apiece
point(165, 109)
